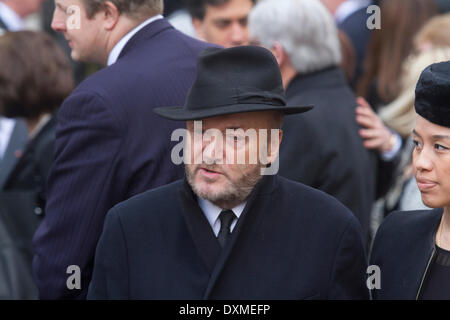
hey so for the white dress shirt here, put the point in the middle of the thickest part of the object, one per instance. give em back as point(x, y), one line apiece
point(212, 213)
point(115, 52)
point(6, 129)
point(10, 18)
point(349, 7)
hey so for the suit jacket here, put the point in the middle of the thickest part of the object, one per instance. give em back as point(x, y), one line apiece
point(322, 148)
point(32, 168)
point(16, 145)
point(290, 242)
point(110, 146)
point(22, 202)
point(403, 246)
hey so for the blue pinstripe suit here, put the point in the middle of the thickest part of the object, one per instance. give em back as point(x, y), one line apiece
point(110, 146)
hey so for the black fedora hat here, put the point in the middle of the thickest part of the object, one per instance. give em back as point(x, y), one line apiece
point(433, 94)
point(233, 80)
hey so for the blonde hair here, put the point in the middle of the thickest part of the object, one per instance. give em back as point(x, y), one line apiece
point(399, 114)
point(435, 32)
point(433, 43)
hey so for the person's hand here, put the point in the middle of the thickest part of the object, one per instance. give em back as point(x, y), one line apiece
point(374, 133)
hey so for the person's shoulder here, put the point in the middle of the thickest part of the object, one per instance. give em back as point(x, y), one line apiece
point(314, 200)
point(161, 199)
point(158, 203)
point(403, 223)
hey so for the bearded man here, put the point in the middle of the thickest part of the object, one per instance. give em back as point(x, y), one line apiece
point(232, 229)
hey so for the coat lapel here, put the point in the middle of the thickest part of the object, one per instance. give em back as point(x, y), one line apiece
point(201, 232)
point(250, 218)
point(3, 26)
point(424, 244)
point(17, 142)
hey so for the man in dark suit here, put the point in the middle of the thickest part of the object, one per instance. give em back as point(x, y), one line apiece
point(321, 149)
point(109, 144)
point(231, 229)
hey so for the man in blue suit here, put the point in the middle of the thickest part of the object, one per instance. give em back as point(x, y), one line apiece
point(109, 143)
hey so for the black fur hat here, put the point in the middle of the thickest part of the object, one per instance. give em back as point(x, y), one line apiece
point(433, 94)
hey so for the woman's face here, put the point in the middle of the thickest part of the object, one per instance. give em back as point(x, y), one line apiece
point(431, 161)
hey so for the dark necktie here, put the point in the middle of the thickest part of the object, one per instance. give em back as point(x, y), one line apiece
point(226, 219)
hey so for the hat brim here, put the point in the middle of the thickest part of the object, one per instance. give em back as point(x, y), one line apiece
point(180, 113)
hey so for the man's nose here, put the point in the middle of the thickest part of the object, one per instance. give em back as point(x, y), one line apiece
point(58, 22)
point(213, 150)
point(239, 34)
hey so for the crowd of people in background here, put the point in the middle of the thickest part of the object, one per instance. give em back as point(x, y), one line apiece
point(78, 134)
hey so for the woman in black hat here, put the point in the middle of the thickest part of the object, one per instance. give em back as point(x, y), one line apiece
point(412, 248)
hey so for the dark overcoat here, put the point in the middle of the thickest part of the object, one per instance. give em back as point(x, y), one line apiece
point(403, 247)
point(291, 242)
point(323, 149)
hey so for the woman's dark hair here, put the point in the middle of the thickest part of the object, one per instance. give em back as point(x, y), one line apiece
point(390, 45)
point(35, 74)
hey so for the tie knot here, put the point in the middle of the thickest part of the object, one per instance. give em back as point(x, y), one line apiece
point(226, 219)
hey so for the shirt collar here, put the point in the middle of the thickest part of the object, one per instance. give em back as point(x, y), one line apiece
point(6, 129)
point(11, 19)
point(115, 52)
point(212, 211)
point(349, 7)
point(41, 124)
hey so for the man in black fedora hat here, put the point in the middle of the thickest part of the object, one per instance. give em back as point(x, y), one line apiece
point(231, 229)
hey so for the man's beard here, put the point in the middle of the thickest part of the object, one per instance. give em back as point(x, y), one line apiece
point(232, 193)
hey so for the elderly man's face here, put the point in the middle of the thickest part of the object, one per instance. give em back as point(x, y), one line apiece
point(431, 161)
point(229, 184)
point(225, 25)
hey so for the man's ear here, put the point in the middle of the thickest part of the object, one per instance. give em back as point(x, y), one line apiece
point(110, 15)
point(274, 146)
point(279, 53)
point(198, 26)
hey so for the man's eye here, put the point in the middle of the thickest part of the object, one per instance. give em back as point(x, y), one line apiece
point(243, 22)
point(416, 144)
point(234, 138)
point(440, 147)
point(222, 24)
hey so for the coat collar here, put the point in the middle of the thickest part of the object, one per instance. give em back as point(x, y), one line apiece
point(30, 149)
point(208, 247)
point(425, 248)
point(146, 33)
point(117, 49)
point(332, 77)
